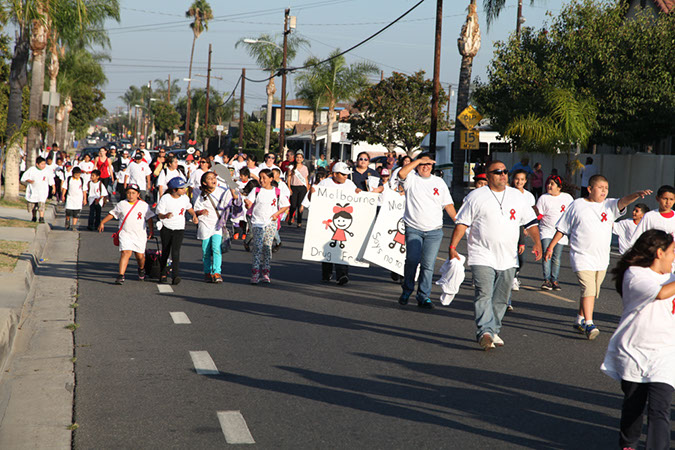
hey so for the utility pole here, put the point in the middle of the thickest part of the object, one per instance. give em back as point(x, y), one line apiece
point(381, 75)
point(282, 127)
point(168, 92)
point(208, 86)
point(437, 82)
point(241, 110)
point(520, 17)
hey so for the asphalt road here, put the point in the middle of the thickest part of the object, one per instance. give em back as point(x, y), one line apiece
point(309, 365)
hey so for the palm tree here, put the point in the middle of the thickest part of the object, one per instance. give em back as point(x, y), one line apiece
point(167, 91)
point(494, 7)
point(38, 43)
point(571, 123)
point(200, 10)
point(269, 56)
point(309, 89)
point(339, 82)
point(131, 97)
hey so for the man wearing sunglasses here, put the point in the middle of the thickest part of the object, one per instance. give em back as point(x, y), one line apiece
point(494, 214)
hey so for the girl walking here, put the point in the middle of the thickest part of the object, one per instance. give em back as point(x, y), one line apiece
point(641, 353)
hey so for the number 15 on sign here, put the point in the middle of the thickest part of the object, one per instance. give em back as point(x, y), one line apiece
point(469, 140)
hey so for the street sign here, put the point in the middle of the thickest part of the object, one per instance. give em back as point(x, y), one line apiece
point(469, 140)
point(470, 117)
point(220, 128)
point(176, 131)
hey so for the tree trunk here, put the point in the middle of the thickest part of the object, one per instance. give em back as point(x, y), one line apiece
point(53, 70)
point(58, 124)
point(12, 161)
point(38, 43)
point(271, 90)
point(187, 115)
point(329, 130)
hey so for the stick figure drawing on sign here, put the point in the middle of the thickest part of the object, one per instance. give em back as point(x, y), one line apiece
point(342, 220)
point(399, 237)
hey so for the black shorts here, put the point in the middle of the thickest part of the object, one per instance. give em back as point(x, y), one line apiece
point(74, 213)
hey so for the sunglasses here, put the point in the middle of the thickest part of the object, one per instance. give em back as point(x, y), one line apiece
point(269, 157)
point(203, 162)
point(499, 172)
point(364, 159)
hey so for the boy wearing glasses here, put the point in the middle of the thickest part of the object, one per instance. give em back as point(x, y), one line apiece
point(493, 214)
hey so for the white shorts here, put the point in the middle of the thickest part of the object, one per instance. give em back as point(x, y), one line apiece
point(133, 241)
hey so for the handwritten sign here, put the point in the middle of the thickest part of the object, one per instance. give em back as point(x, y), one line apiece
point(386, 245)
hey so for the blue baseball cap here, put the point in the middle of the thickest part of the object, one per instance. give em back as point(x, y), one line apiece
point(176, 183)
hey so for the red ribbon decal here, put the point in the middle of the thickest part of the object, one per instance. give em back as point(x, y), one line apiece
point(513, 214)
point(604, 217)
point(674, 306)
point(44, 178)
point(436, 191)
point(562, 208)
point(181, 211)
point(140, 216)
point(327, 223)
point(337, 209)
point(274, 202)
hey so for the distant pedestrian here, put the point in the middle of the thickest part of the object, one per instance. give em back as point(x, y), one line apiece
point(38, 183)
point(641, 353)
point(524, 164)
point(537, 181)
point(97, 196)
point(589, 171)
point(75, 196)
point(661, 219)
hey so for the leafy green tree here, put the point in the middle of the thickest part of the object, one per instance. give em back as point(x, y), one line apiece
point(396, 112)
point(166, 118)
point(163, 90)
point(200, 11)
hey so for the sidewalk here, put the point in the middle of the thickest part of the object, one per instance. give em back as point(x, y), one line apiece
point(36, 348)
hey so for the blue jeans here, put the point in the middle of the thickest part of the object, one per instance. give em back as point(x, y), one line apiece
point(211, 254)
point(493, 288)
point(552, 266)
point(421, 250)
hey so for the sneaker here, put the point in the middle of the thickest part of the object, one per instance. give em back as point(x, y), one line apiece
point(497, 341)
point(509, 308)
point(243, 237)
point(425, 304)
point(486, 341)
point(255, 276)
point(547, 286)
point(163, 279)
point(516, 285)
point(580, 327)
point(265, 276)
point(217, 278)
point(591, 332)
point(344, 279)
point(119, 279)
point(141, 274)
point(34, 219)
point(275, 248)
point(556, 286)
point(42, 220)
point(208, 278)
point(403, 299)
point(175, 280)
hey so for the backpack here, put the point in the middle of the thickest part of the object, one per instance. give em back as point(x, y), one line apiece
point(68, 184)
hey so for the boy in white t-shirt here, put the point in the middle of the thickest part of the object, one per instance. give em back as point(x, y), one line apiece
point(664, 218)
point(268, 204)
point(625, 229)
point(75, 196)
point(588, 224)
point(135, 217)
point(38, 182)
point(97, 195)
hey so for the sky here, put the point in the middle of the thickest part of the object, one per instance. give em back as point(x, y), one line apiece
point(153, 40)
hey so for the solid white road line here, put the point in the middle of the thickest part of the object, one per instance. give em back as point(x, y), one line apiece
point(203, 363)
point(234, 428)
point(164, 289)
point(180, 318)
point(530, 288)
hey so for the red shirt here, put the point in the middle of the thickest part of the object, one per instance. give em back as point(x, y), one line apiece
point(103, 167)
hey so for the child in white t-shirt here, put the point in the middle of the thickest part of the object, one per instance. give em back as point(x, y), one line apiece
point(641, 353)
point(239, 221)
point(75, 196)
point(664, 218)
point(97, 195)
point(625, 229)
point(38, 182)
point(519, 182)
point(171, 210)
point(135, 217)
point(268, 204)
point(588, 224)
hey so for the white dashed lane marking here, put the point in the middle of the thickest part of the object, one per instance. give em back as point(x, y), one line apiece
point(164, 289)
point(203, 363)
point(180, 318)
point(234, 428)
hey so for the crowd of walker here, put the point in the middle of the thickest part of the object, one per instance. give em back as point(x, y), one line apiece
point(494, 217)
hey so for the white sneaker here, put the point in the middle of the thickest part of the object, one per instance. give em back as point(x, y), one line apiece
point(486, 341)
point(497, 341)
point(516, 285)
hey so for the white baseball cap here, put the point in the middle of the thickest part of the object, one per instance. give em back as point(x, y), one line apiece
point(342, 168)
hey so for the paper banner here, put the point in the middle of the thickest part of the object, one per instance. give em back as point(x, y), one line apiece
point(386, 245)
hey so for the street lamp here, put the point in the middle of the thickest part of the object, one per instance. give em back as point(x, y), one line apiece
point(259, 41)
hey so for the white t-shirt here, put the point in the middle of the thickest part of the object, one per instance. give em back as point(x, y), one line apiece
point(348, 185)
point(208, 224)
point(265, 203)
point(425, 199)
point(237, 166)
point(625, 229)
point(96, 191)
point(551, 207)
point(654, 220)
point(123, 172)
point(494, 228)
point(87, 167)
point(137, 173)
point(176, 206)
point(75, 192)
point(254, 171)
point(642, 349)
point(529, 198)
point(133, 235)
point(589, 228)
point(38, 190)
point(587, 173)
point(167, 175)
point(285, 191)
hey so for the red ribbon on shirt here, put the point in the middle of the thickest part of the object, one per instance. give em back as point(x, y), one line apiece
point(436, 191)
point(513, 214)
point(181, 211)
point(140, 216)
point(274, 202)
point(674, 306)
point(562, 208)
point(604, 217)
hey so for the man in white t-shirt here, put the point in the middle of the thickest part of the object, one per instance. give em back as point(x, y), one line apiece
point(625, 229)
point(38, 180)
point(426, 196)
point(494, 214)
point(138, 173)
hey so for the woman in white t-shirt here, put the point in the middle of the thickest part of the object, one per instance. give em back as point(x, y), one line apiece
point(550, 207)
point(641, 353)
point(171, 210)
point(268, 204)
